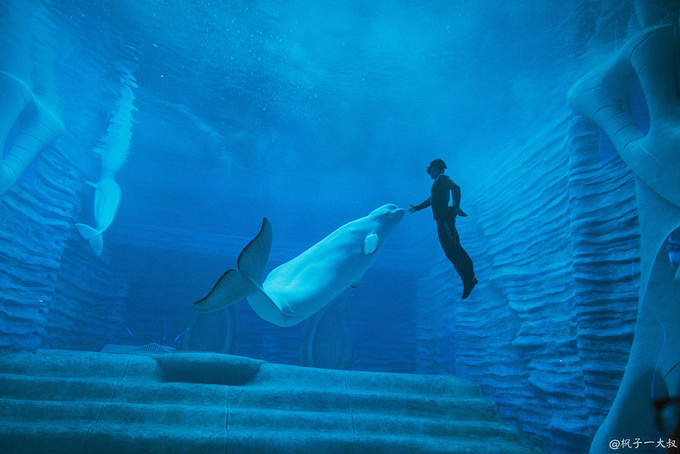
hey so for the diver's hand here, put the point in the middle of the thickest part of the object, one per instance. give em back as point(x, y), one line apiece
point(412, 209)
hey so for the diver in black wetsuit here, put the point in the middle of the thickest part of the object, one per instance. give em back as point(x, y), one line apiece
point(445, 216)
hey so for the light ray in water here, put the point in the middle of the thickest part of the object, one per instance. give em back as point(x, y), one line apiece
point(180, 334)
point(658, 360)
point(673, 250)
point(165, 328)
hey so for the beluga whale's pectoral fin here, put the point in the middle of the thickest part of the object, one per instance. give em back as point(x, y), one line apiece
point(370, 244)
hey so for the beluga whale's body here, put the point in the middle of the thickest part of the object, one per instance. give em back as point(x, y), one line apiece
point(301, 287)
point(114, 153)
point(106, 202)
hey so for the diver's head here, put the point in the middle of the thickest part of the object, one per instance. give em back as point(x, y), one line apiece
point(436, 168)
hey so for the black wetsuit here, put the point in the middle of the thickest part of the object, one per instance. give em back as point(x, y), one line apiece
point(445, 216)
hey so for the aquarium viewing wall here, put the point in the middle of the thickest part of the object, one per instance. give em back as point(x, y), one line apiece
point(546, 333)
point(552, 229)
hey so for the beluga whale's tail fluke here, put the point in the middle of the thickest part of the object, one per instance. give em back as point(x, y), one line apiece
point(93, 235)
point(304, 285)
point(235, 285)
point(106, 202)
point(254, 257)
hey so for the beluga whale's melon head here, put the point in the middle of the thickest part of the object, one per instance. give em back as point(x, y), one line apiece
point(385, 220)
point(389, 216)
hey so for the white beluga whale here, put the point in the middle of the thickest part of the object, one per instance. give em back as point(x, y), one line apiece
point(114, 153)
point(302, 286)
point(106, 202)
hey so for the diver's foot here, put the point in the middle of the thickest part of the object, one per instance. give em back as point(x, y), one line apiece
point(468, 288)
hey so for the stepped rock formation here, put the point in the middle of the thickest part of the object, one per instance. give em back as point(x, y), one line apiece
point(67, 401)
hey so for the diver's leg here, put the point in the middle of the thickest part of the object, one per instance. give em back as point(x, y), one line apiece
point(450, 241)
point(443, 232)
point(463, 264)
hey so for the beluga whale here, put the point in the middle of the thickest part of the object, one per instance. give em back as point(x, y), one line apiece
point(304, 285)
point(106, 202)
point(114, 152)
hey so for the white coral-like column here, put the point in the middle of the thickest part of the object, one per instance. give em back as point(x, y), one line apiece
point(38, 128)
point(652, 371)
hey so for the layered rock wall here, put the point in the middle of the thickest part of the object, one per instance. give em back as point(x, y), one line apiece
point(53, 291)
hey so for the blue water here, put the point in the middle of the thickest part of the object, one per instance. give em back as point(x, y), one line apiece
point(312, 114)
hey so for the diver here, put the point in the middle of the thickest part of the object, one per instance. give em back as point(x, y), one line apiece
point(445, 216)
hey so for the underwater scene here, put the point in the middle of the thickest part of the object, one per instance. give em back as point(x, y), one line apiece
point(339, 226)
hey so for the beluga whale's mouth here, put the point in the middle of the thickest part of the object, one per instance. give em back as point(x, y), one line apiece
point(302, 286)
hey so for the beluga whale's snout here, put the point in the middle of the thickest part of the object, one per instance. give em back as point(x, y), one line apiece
point(392, 213)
